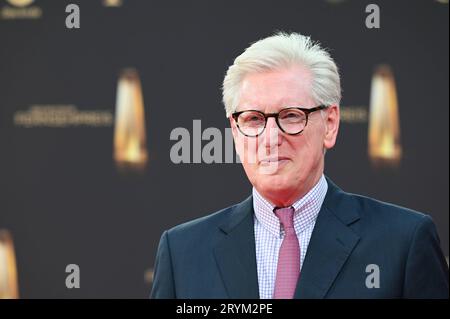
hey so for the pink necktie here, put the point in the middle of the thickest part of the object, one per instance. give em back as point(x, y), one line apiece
point(288, 268)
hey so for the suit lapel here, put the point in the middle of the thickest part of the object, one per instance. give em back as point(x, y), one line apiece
point(235, 254)
point(331, 243)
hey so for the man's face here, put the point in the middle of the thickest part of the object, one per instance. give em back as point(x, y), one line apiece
point(284, 167)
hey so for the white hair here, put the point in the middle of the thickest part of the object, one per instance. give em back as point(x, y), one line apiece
point(284, 50)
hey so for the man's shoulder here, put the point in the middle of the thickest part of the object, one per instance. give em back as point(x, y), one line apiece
point(373, 212)
point(379, 211)
point(204, 225)
point(380, 220)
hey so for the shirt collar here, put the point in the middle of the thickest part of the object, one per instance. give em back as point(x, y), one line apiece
point(306, 209)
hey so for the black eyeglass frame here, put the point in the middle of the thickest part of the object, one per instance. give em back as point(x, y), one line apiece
point(235, 116)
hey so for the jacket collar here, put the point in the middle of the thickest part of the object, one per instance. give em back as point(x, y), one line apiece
point(332, 242)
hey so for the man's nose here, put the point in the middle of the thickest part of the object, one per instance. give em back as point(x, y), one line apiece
point(272, 134)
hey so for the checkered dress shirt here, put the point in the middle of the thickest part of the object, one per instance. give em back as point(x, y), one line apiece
point(269, 233)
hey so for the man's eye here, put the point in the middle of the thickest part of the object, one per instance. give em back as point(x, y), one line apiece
point(252, 118)
point(255, 118)
point(291, 115)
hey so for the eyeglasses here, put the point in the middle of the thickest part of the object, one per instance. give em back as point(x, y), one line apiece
point(291, 120)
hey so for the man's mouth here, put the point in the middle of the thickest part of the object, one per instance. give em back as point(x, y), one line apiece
point(272, 160)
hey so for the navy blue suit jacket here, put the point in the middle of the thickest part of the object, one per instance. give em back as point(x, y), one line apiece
point(214, 256)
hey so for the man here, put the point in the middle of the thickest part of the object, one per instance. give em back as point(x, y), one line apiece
point(298, 235)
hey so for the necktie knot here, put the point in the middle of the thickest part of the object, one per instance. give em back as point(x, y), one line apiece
point(286, 217)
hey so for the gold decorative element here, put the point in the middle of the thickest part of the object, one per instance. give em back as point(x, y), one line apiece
point(384, 125)
point(8, 271)
point(112, 3)
point(129, 134)
point(148, 275)
point(20, 3)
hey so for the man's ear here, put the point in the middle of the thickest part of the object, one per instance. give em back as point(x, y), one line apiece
point(234, 131)
point(331, 126)
point(233, 127)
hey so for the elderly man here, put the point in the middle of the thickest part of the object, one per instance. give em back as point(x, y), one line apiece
point(298, 235)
